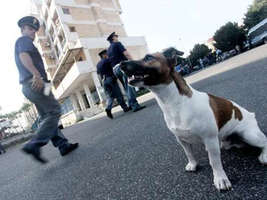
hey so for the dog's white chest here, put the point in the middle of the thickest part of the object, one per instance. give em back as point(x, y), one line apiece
point(182, 114)
point(182, 131)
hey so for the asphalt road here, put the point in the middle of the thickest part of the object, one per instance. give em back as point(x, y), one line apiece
point(135, 156)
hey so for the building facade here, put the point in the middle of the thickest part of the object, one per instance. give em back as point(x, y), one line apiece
point(72, 33)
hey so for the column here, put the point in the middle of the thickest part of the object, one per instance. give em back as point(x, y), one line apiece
point(80, 99)
point(89, 95)
point(99, 88)
point(74, 103)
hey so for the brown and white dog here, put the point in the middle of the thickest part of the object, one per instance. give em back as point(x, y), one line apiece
point(194, 116)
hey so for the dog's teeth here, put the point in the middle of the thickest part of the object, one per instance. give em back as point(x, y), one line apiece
point(131, 77)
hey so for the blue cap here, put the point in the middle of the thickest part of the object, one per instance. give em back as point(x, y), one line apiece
point(109, 38)
point(30, 21)
point(101, 53)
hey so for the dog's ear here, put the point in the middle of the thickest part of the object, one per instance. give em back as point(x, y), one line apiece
point(172, 54)
point(169, 52)
point(172, 61)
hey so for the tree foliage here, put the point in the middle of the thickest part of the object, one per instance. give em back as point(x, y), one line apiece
point(228, 36)
point(199, 51)
point(255, 13)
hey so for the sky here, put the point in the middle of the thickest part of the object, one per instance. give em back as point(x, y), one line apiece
point(163, 23)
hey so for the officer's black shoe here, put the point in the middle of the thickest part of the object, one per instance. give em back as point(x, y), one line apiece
point(138, 108)
point(36, 153)
point(60, 126)
point(68, 148)
point(109, 114)
point(127, 109)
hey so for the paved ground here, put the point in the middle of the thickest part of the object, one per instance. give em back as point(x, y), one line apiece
point(134, 156)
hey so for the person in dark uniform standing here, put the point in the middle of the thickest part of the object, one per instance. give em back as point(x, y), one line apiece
point(33, 78)
point(117, 53)
point(110, 84)
point(2, 149)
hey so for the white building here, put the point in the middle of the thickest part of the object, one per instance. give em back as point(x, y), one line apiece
point(71, 35)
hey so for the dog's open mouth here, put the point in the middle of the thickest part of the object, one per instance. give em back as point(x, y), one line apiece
point(137, 74)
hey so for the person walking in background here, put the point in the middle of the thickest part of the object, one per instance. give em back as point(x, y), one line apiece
point(117, 53)
point(33, 78)
point(110, 84)
point(2, 149)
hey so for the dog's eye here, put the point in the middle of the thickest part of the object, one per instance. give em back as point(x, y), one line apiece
point(148, 58)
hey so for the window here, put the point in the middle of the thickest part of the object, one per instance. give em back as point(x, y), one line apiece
point(66, 106)
point(72, 28)
point(49, 3)
point(60, 37)
point(57, 51)
point(66, 11)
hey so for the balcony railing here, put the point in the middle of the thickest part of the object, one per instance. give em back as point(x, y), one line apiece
point(75, 73)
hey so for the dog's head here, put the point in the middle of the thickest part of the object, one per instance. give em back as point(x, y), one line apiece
point(153, 69)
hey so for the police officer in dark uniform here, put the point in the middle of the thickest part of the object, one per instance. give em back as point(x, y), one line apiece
point(117, 53)
point(110, 84)
point(2, 149)
point(33, 78)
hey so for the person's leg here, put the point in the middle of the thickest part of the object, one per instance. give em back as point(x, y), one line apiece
point(119, 74)
point(131, 95)
point(49, 111)
point(110, 99)
point(2, 149)
point(129, 90)
point(109, 106)
point(57, 138)
point(119, 97)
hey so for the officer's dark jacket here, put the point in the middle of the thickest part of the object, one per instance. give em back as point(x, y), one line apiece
point(104, 68)
point(25, 44)
point(115, 53)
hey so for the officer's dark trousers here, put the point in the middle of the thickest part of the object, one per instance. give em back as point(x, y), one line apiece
point(49, 112)
point(113, 91)
point(2, 149)
point(130, 91)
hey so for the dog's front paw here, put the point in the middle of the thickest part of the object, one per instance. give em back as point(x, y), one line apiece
point(263, 158)
point(191, 167)
point(222, 183)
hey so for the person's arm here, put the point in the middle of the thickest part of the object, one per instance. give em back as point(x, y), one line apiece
point(24, 47)
point(127, 55)
point(37, 83)
point(124, 51)
point(100, 76)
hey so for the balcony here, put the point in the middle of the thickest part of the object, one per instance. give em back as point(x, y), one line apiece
point(75, 76)
point(58, 26)
point(44, 11)
point(48, 3)
point(65, 63)
point(52, 9)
